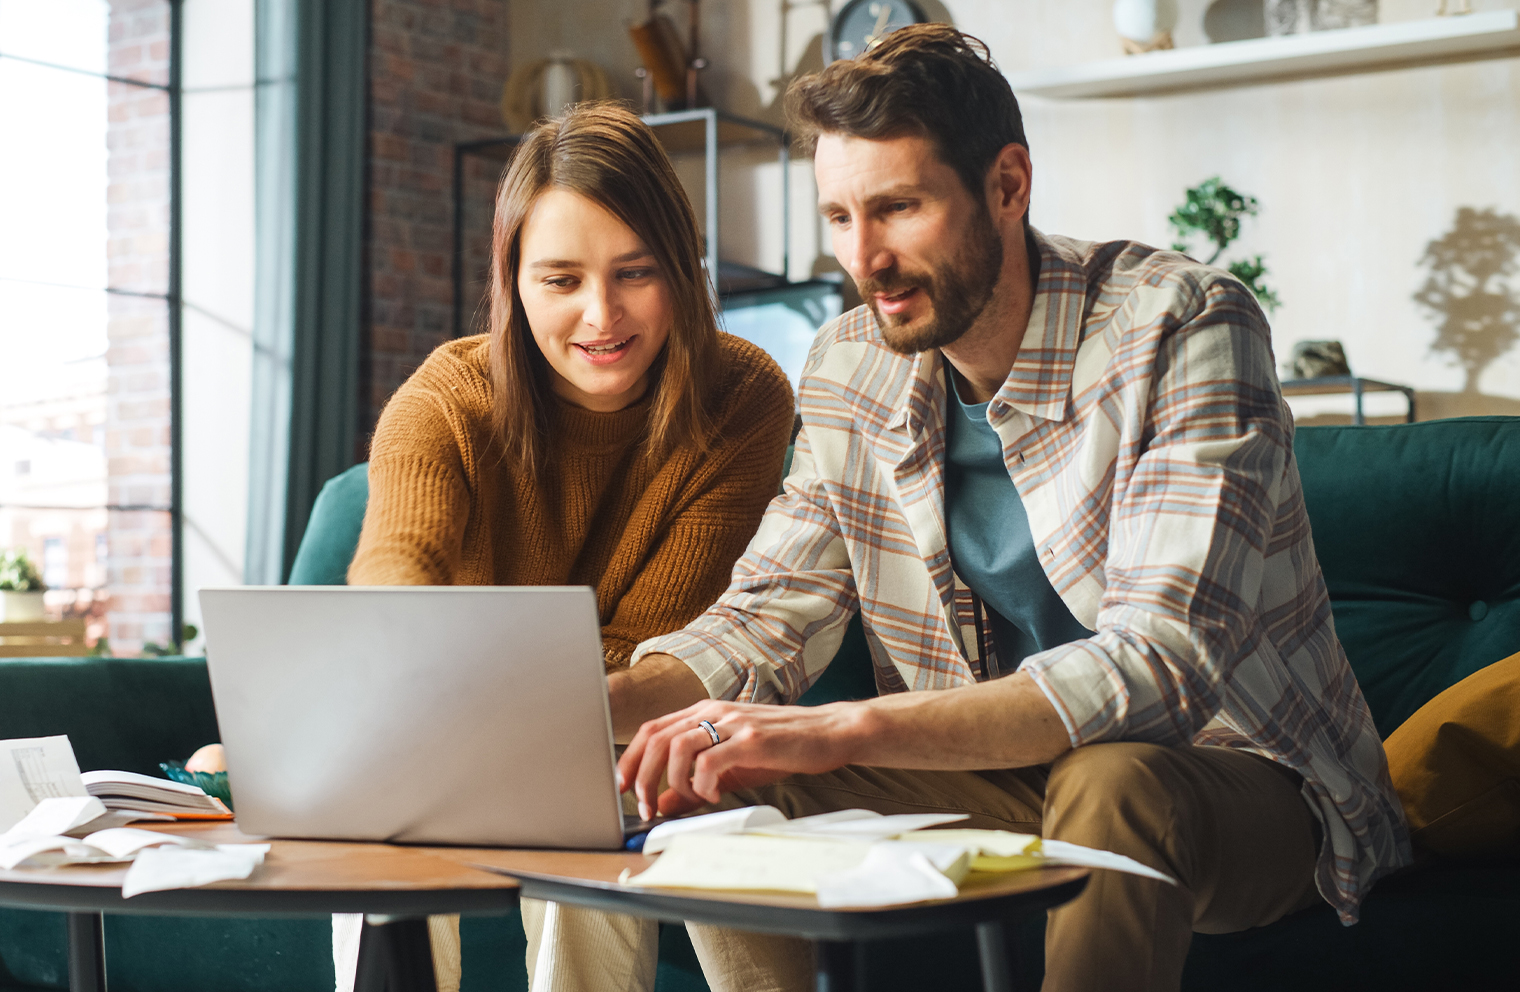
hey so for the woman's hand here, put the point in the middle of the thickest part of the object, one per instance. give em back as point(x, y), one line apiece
point(757, 744)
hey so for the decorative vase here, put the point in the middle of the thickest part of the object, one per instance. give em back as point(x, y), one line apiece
point(1145, 25)
point(21, 607)
point(1234, 20)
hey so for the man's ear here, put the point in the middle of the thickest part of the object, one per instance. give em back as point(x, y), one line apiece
point(1008, 184)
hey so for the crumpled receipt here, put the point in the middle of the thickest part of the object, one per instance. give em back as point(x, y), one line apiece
point(175, 867)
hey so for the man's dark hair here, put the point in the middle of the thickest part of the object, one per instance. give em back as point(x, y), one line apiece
point(927, 79)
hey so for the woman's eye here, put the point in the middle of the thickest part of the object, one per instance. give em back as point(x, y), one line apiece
point(560, 282)
point(633, 275)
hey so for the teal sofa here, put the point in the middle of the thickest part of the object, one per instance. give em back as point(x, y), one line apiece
point(1414, 525)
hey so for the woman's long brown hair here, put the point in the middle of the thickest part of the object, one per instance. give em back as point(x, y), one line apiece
point(603, 152)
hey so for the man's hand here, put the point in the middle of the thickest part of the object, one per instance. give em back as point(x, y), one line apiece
point(759, 744)
point(1004, 724)
point(658, 684)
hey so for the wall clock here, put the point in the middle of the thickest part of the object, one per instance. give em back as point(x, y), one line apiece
point(859, 23)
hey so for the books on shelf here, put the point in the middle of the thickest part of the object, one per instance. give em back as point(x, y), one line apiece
point(145, 794)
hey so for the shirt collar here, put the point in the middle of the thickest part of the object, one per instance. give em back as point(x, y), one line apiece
point(1039, 383)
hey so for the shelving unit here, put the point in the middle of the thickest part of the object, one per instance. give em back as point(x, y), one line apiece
point(702, 131)
point(1493, 34)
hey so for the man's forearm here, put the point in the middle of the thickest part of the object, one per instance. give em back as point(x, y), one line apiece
point(1004, 724)
point(657, 685)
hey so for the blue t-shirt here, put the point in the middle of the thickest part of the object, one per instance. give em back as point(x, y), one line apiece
point(991, 546)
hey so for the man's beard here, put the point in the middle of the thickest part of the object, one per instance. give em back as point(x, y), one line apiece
point(958, 289)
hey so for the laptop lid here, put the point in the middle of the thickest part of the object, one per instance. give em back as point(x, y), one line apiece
point(424, 714)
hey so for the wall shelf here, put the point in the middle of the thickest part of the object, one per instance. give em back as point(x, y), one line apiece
point(1492, 34)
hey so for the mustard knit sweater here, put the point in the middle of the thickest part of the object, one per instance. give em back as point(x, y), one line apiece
point(656, 541)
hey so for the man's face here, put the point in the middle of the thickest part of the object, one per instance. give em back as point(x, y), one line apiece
point(922, 250)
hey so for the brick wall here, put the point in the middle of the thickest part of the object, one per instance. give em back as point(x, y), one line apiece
point(137, 356)
point(436, 73)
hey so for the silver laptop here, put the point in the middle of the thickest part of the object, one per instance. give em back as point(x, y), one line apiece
point(443, 715)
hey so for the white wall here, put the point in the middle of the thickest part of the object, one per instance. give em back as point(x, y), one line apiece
point(218, 290)
point(1355, 174)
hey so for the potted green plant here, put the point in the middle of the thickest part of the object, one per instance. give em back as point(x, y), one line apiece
point(1214, 210)
point(21, 588)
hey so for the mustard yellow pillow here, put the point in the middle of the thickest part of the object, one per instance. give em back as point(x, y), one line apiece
point(1456, 766)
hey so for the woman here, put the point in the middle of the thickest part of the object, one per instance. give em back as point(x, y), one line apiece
point(602, 433)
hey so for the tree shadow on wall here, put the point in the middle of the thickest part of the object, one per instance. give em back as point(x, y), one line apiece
point(1476, 311)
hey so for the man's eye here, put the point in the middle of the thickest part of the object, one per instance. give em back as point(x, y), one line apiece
point(898, 207)
point(839, 220)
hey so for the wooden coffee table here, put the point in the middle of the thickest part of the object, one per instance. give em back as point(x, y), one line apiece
point(987, 903)
point(298, 878)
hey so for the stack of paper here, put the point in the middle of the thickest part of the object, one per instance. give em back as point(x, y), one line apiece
point(849, 858)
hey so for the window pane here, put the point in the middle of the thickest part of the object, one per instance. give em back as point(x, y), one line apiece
point(61, 32)
point(124, 38)
point(53, 197)
point(84, 357)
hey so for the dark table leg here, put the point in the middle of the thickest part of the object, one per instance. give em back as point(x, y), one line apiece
point(994, 944)
point(839, 967)
point(87, 953)
point(395, 956)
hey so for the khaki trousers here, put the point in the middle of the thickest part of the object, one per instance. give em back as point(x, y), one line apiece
point(1232, 827)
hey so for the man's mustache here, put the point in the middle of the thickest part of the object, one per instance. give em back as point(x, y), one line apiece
point(893, 283)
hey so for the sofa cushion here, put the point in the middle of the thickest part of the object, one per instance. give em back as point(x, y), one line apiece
point(1414, 525)
point(332, 530)
point(1456, 765)
point(119, 713)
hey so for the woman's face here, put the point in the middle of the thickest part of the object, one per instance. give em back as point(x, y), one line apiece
point(596, 300)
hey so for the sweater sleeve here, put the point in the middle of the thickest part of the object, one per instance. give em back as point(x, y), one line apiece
point(418, 493)
point(712, 522)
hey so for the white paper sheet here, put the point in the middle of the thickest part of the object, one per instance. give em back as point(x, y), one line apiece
point(33, 769)
point(54, 816)
point(728, 821)
point(750, 862)
point(123, 842)
point(1061, 853)
point(871, 826)
point(890, 875)
point(159, 868)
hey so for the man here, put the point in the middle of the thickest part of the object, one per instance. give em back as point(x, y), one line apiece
point(1063, 460)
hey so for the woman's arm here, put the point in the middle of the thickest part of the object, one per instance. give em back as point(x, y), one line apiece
point(418, 498)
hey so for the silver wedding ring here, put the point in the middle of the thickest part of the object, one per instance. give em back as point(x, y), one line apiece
point(711, 730)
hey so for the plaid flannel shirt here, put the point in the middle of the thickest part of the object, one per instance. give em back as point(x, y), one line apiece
point(1144, 429)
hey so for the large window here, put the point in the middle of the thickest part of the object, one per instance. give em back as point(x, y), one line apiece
point(88, 305)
